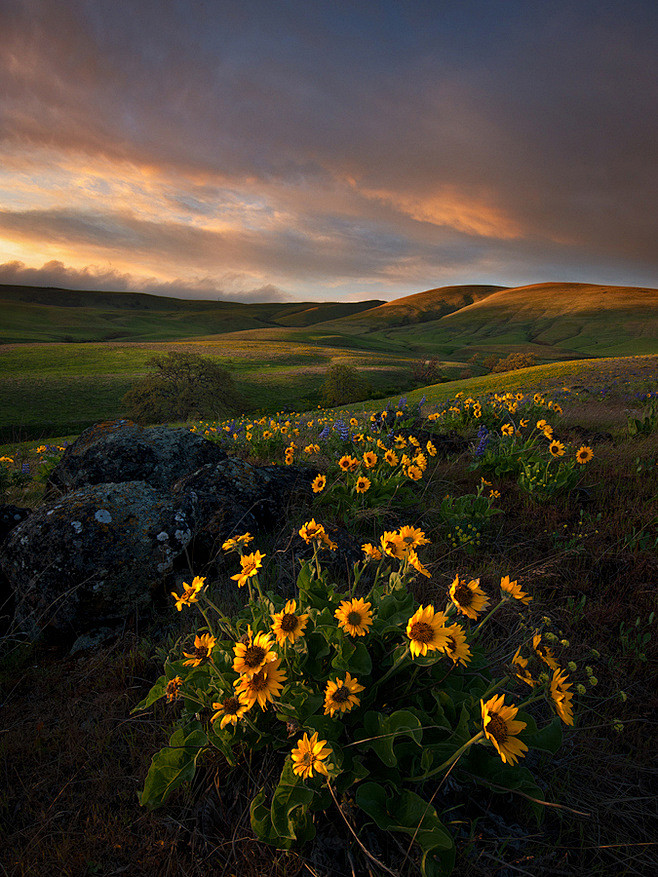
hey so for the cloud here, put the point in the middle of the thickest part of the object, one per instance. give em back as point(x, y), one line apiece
point(56, 274)
point(324, 145)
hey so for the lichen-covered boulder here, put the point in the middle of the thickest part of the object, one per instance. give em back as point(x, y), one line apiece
point(10, 517)
point(95, 555)
point(233, 497)
point(120, 450)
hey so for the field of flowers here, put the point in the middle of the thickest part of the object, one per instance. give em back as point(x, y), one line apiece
point(444, 661)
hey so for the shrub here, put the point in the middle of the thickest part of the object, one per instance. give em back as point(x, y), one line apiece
point(426, 371)
point(343, 384)
point(510, 363)
point(183, 386)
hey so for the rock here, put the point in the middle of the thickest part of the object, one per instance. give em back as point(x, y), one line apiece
point(233, 497)
point(10, 517)
point(120, 450)
point(95, 555)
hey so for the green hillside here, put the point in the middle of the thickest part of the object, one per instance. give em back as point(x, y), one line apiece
point(39, 314)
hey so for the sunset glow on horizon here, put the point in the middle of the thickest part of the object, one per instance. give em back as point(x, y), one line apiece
point(331, 151)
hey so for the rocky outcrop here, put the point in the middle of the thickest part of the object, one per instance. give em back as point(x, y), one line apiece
point(120, 450)
point(95, 555)
point(234, 497)
point(125, 506)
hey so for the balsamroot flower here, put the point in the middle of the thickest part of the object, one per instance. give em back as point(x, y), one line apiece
point(319, 483)
point(371, 552)
point(190, 593)
point(309, 756)
point(311, 532)
point(393, 544)
point(468, 597)
point(561, 697)
point(414, 561)
point(263, 686)
point(511, 590)
point(543, 651)
point(520, 665)
point(362, 484)
point(412, 537)
point(501, 727)
point(230, 709)
point(341, 695)
point(173, 688)
point(237, 542)
point(584, 454)
point(250, 564)
point(391, 458)
point(369, 459)
point(354, 617)
point(426, 630)
point(507, 429)
point(457, 647)
point(203, 646)
point(556, 448)
point(252, 655)
point(288, 626)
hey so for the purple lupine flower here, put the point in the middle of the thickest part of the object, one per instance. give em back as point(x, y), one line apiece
point(484, 436)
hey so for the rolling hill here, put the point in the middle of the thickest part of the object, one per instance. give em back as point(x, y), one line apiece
point(30, 313)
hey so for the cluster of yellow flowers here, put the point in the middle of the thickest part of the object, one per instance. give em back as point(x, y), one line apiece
point(261, 677)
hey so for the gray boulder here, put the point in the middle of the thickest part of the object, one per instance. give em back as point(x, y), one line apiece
point(120, 450)
point(95, 555)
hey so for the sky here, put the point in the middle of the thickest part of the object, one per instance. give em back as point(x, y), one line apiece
point(327, 150)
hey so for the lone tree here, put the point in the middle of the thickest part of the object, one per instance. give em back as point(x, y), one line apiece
point(183, 386)
point(343, 384)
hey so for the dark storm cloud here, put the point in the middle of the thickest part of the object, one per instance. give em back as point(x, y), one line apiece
point(426, 131)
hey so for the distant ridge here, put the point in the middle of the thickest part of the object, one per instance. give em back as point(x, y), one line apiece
point(432, 304)
point(34, 313)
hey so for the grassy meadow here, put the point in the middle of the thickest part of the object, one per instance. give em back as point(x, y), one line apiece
point(545, 477)
point(583, 545)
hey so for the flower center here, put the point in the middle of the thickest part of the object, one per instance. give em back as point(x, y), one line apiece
point(201, 652)
point(463, 595)
point(354, 618)
point(289, 622)
point(254, 656)
point(308, 757)
point(422, 632)
point(340, 695)
point(497, 728)
point(258, 682)
point(231, 705)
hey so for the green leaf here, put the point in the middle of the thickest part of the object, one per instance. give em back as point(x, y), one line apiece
point(172, 766)
point(353, 656)
point(154, 694)
point(290, 804)
point(406, 812)
point(380, 731)
point(548, 739)
point(261, 823)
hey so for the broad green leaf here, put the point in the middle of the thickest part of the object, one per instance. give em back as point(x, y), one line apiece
point(547, 739)
point(261, 823)
point(172, 766)
point(354, 657)
point(154, 694)
point(290, 804)
point(407, 812)
point(380, 731)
